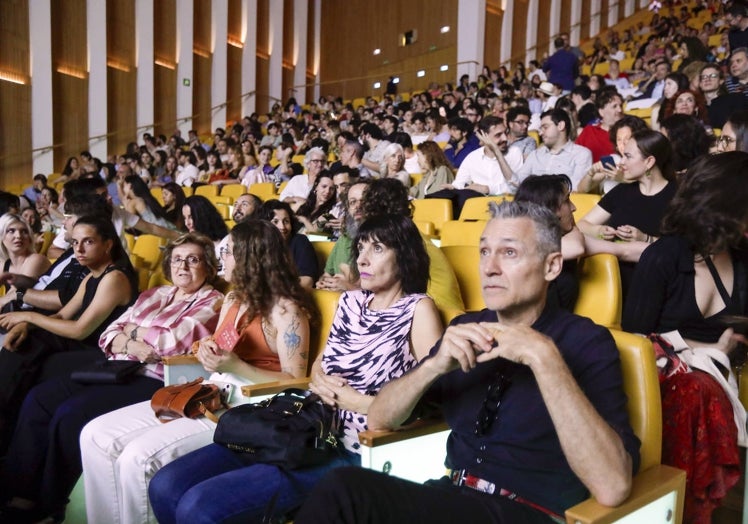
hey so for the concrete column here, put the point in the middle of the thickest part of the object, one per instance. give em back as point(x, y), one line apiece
point(576, 17)
point(300, 44)
point(218, 76)
point(249, 57)
point(471, 31)
point(595, 17)
point(144, 63)
point(97, 79)
point(531, 36)
point(40, 50)
point(275, 46)
point(185, 40)
point(505, 53)
point(613, 12)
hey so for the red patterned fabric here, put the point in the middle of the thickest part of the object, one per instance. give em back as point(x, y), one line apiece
point(700, 437)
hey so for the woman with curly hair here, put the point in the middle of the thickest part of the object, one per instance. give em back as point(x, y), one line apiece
point(688, 138)
point(686, 286)
point(262, 335)
point(173, 196)
point(379, 333)
point(687, 102)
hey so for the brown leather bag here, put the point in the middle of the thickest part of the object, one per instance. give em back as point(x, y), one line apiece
point(187, 400)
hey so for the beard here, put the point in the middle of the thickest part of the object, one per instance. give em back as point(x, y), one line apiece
point(351, 226)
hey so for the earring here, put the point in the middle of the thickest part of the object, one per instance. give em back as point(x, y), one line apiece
point(648, 172)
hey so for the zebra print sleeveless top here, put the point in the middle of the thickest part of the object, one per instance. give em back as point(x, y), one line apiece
point(368, 348)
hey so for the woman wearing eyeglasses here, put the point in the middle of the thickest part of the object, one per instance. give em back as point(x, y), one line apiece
point(734, 135)
point(262, 335)
point(379, 333)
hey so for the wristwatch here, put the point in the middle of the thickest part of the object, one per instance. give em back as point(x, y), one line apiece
point(134, 334)
point(19, 296)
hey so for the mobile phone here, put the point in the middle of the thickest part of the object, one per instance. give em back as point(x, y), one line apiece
point(608, 162)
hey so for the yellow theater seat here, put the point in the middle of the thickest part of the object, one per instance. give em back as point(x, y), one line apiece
point(600, 296)
point(464, 261)
point(434, 210)
point(477, 208)
point(459, 233)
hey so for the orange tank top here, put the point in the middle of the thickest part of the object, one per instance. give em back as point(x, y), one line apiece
point(251, 347)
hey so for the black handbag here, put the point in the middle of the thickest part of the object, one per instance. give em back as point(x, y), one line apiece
point(107, 372)
point(294, 429)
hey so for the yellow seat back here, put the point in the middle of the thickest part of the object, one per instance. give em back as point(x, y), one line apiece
point(327, 303)
point(207, 191)
point(600, 296)
point(642, 387)
point(323, 249)
point(148, 249)
point(221, 199)
point(425, 227)
point(459, 233)
point(465, 261)
point(47, 238)
point(233, 190)
point(157, 193)
point(434, 210)
point(477, 208)
point(264, 190)
point(583, 202)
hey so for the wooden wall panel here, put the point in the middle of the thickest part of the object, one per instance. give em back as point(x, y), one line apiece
point(234, 83)
point(565, 24)
point(544, 40)
point(492, 43)
point(519, 29)
point(603, 15)
point(584, 32)
point(164, 71)
point(310, 71)
point(121, 75)
point(202, 63)
point(15, 98)
point(69, 80)
point(346, 66)
point(288, 50)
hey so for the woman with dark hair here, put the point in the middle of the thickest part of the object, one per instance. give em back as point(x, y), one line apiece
point(674, 84)
point(173, 196)
point(138, 200)
point(212, 166)
point(316, 211)
point(632, 211)
point(49, 346)
point(302, 253)
point(200, 216)
point(378, 334)
point(686, 286)
point(44, 457)
point(734, 135)
point(262, 336)
point(688, 138)
point(691, 50)
point(435, 168)
point(169, 172)
point(602, 178)
point(72, 170)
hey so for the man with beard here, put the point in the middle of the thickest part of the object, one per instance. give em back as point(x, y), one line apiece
point(462, 141)
point(337, 275)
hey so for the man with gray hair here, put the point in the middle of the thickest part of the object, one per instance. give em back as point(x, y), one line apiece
point(297, 189)
point(738, 81)
point(533, 396)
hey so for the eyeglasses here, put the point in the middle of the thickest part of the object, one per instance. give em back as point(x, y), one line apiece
point(725, 140)
point(225, 252)
point(191, 260)
point(709, 75)
point(489, 411)
point(521, 122)
point(316, 161)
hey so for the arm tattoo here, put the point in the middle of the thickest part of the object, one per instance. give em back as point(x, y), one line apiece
point(291, 337)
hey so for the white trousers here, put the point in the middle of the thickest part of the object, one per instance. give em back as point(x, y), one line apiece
point(122, 450)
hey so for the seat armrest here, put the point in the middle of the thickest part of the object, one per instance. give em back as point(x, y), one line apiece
point(648, 487)
point(273, 388)
point(416, 429)
point(180, 360)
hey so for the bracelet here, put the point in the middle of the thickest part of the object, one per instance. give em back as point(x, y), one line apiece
point(125, 352)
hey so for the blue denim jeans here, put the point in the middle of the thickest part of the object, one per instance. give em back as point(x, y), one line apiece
point(213, 484)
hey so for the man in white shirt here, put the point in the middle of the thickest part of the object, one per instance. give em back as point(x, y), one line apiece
point(480, 171)
point(188, 171)
point(297, 190)
point(558, 155)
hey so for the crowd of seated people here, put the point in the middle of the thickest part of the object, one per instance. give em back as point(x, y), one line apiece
point(335, 169)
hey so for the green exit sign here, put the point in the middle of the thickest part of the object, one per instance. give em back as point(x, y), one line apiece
point(186, 82)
